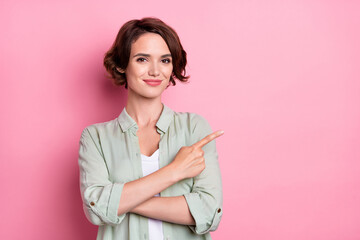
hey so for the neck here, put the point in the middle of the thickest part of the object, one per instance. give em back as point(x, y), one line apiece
point(145, 111)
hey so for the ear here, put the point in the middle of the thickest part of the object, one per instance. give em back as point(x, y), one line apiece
point(120, 70)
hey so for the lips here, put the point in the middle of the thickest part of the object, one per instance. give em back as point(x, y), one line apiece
point(153, 82)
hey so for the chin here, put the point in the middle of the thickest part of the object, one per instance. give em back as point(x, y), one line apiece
point(151, 94)
point(148, 92)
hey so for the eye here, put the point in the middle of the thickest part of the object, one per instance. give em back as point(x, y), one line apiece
point(166, 60)
point(141, 59)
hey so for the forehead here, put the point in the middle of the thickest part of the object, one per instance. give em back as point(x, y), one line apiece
point(150, 43)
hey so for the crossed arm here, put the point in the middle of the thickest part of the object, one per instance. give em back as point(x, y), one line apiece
point(137, 195)
point(169, 209)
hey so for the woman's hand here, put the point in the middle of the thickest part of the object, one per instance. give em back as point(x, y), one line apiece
point(189, 161)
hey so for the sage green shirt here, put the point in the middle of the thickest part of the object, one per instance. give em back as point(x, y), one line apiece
point(109, 156)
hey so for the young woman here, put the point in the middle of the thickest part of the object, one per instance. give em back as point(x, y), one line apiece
point(151, 173)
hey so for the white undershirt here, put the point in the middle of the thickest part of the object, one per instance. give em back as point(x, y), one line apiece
point(150, 165)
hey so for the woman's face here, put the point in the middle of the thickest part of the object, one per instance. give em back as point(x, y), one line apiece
point(150, 66)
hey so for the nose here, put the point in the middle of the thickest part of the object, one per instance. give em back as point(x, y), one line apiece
point(154, 69)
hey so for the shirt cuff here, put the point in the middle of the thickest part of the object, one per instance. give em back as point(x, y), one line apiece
point(206, 218)
point(107, 213)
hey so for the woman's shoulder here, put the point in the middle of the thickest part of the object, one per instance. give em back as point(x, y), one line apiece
point(189, 116)
point(192, 119)
point(194, 125)
point(101, 126)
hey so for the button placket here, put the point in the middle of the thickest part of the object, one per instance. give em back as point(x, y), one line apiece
point(161, 154)
point(135, 152)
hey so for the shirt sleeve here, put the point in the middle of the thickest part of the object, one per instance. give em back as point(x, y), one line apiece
point(205, 199)
point(100, 196)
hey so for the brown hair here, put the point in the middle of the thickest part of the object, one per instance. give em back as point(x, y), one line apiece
point(119, 54)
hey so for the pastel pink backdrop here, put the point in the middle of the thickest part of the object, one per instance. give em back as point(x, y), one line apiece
point(280, 77)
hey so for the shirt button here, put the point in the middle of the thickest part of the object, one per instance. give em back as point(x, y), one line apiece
point(219, 210)
point(92, 204)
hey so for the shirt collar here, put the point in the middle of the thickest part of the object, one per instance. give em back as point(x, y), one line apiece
point(126, 122)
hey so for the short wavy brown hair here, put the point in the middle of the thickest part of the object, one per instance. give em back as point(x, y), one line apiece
point(118, 55)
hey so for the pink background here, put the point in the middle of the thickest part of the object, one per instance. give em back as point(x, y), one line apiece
point(281, 78)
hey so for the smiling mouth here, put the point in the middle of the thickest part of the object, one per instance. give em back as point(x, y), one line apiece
point(153, 82)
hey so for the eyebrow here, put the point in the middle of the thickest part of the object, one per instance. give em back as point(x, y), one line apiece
point(148, 55)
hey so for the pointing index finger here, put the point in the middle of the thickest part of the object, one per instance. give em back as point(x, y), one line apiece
point(208, 139)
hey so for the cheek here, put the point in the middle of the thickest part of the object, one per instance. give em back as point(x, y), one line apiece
point(135, 71)
point(169, 70)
